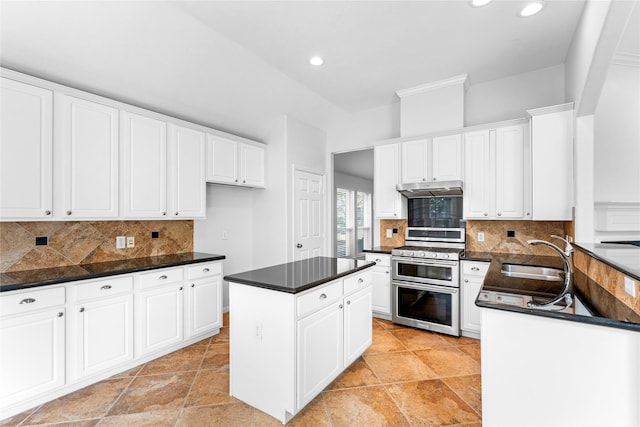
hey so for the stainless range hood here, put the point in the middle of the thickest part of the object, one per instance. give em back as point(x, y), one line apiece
point(430, 189)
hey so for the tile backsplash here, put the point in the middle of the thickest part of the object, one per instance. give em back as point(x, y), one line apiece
point(82, 242)
point(396, 239)
point(496, 236)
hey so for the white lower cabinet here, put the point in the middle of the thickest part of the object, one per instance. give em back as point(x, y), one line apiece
point(203, 299)
point(32, 345)
point(473, 273)
point(357, 325)
point(381, 285)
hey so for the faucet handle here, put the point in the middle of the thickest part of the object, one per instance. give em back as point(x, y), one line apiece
point(568, 248)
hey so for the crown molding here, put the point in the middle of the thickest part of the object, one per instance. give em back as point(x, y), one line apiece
point(461, 79)
point(552, 109)
point(627, 59)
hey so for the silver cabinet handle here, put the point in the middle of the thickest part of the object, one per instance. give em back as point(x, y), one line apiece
point(163, 277)
point(299, 245)
point(475, 269)
point(486, 214)
point(349, 302)
point(180, 287)
point(68, 212)
point(244, 181)
point(236, 180)
point(499, 214)
point(340, 306)
point(323, 296)
point(60, 314)
point(466, 280)
point(28, 301)
point(47, 212)
point(105, 288)
point(360, 280)
point(528, 213)
point(176, 213)
point(164, 213)
point(193, 285)
point(81, 309)
point(387, 272)
point(205, 270)
point(378, 260)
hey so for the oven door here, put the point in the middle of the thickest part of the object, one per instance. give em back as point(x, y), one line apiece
point(434, 308)
point(434, 272)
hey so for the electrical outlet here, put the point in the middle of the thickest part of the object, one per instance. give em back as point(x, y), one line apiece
point(480, 236)
point(131, 242)
point(258, 330)
point(121, 242)
point(389, 233)
point(42, 241)
point(630, 286)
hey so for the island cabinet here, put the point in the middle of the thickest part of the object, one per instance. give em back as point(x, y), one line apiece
point(286, 348)
point(473, 274)
point(381, 285)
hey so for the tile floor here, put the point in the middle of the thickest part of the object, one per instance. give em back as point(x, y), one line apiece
point(406, 378)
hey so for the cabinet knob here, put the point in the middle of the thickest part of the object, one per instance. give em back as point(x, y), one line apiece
point(236, 180)
point(180, 287)
point(360, 280)
point(486, 214)
point(68, 212)
point(47, 212)
point(466, 280)
point(299, 245)
point(205, 270)
point(387, 272)
point(499, 214)
point(528, 213)
point(164, 214)
point(28, 301)
point(323, 296)
point(244, 181)
point(340, 306)
point(378, 260)
point(176, 213)
point(435, 179)
point(475, 269)
point(193, 285)
point(424, 179)
point(349, 302)
point(163, 277)
point(60, 314)
point(81, 309)
point(105, 288)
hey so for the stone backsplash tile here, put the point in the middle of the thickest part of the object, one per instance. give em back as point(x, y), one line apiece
point(81, 242)
point(496, 240)
point(397, 239)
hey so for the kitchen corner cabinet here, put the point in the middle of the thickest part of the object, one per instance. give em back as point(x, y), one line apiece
point(187, 172)
point(381, 285)
point(26, 151)
point(32, 338)
point(497, 183)
point(386, 175)
point(235, 163)
point(473, 273)
point(89, 158)
point(432, 159)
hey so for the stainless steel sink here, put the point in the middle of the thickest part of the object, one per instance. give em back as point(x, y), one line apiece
point(532, 272)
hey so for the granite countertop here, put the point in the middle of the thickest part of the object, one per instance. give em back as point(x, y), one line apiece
point(297, 276)
point(380, 250)
point(16, 280)
point(624, 258)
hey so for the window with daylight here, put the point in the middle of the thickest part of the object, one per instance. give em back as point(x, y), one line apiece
point(353, 222)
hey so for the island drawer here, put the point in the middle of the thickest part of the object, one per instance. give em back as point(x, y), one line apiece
point(32, 300)
point(383, 260)
point(319, 298)
point(475, 268)
point(204, 270)
point(101, 288)
point(161, 277)
point(357, 281)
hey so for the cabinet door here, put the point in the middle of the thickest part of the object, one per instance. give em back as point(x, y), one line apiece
point(160, 318)
point(320, 351)
point(357, 324)
point(385, 178)
point(90, 141)
point(470, 312)
point(203, 308)
point(414, 161)
point(252, 165)
point(188, 172)
point(26, 144)
point(477, 172)
point(101, 335)
point(510, 170)
point(222, 160)
point(381, 290)
point(32, 350)
point(447, 158)
point(144, 166)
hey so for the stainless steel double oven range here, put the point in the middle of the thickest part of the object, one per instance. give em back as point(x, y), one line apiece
point(425, 273)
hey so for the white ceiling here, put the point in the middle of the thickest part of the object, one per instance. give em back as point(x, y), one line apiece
point(373, 48)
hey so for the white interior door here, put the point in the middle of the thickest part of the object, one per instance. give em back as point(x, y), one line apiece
point(308, 232)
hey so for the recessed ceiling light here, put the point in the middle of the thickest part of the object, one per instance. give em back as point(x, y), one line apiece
point(316, 60)
point(531, 9)
point(480, 3)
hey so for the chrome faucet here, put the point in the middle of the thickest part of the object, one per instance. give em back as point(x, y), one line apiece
point(564, 293)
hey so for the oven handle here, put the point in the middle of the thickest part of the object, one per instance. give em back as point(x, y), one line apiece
point(426, 261)
point(424, 287)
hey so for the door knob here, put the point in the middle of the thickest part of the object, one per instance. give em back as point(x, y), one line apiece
point(298, 245)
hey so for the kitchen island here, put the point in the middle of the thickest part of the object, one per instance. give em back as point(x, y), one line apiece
point(294, 328)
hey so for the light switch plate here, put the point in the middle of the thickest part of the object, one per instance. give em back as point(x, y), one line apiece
point(131, 242)
point(121, 242)
point(480, 236)
point(630, 286)
point(389, 233)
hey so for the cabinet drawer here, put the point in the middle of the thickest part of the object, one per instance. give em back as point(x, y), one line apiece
point(28, 301)
point(101, 288)
point(204, 270)
point(318, 298)
point(357, 281)
point(475, 268)
point(160, 277)
point(379, 259)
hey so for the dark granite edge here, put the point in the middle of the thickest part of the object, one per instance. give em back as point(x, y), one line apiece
point(97, 275)
point(380, 250)
point(477, 256)
point(297, 290)
point(620, 267)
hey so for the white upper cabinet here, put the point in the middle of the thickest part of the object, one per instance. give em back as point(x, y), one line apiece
point(89, 158)
point(477, 184)
point(26, 155)
point(552, 162)
point(510, 167)
point(187, 172)
point(235, 163)
point(143, 166)
point(386, 175)
point(432, 159)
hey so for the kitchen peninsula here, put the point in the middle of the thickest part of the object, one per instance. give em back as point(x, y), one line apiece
point(294, 328)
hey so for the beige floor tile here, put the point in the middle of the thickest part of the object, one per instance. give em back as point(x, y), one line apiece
point(357, 375)
point(388, 325)
point(225, 319)
point(16, 419)
point(83, 423)
point(222, 336)
point(186, 359)
point(313, 415)
point(384, 342)
point(376, 325)
point(204, 342)
point(415, 339)
point(129, 373)
point(458, 340)
point(401, 366)
point(369, 406)
point(431, 403)
point(231, 415)
point(472, 350)
point(216, 357)
point(449, 361)
point(90, 402)
point(164, 418)
point(210, 388)
point(468, 388)
point(154, 392)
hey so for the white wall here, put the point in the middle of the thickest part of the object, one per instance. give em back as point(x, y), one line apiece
point(350, 182)
point(433, 110)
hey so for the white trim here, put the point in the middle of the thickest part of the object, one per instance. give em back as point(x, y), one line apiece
point(461, 79)
point(551, 109)
point(627, 59)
